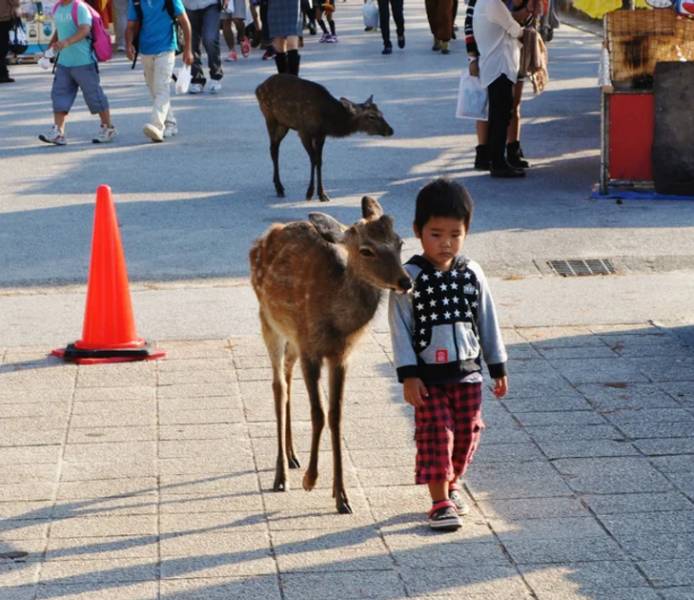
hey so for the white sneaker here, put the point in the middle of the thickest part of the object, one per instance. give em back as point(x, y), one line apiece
point(195, 88)
point(153, 133)
point(53, 136)
point(214, 87)
point(105, 135)
point(170, 129)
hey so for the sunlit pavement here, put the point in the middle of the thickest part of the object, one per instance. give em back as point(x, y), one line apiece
point(153, 480)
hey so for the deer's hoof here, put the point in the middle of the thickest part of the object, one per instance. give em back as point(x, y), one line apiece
point(309, 481)
point(324, 197)
point(344, 508)
point(280, 193)
point(294, 462)
point(280, 485)
point(309, 194)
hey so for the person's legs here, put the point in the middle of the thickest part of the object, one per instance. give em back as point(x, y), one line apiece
point(228, 33)
point(210, 39)
point(434, 439)
point(196, 72)
point(121, 22)
point(279, 45)
point(500, 103)
point(398, 17)
point(4, 49)
point(384, 21)
point(514, 153)
point(293, 57)
point(63, 94)
point(513, 134)
point(466, 403)
point(482, 148)
point(158, 70)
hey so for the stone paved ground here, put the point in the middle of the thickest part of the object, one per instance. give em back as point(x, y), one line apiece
point(153, 480)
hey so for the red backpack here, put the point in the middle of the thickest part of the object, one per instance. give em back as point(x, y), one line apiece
point(101, 40)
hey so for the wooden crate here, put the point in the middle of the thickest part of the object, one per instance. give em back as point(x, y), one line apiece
point(638, 39)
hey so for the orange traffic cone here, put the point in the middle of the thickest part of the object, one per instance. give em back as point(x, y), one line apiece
point(108, 332)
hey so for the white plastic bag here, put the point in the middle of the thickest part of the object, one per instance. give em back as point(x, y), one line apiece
point(472, 98)
point(183, 78)
point(370, 12)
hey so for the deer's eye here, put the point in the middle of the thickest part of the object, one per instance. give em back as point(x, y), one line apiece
point(367, 252)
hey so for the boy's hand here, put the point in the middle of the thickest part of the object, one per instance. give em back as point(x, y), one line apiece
point(500, 387)
point(414, 391)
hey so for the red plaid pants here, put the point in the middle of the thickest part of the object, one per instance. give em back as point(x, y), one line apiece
point(447, 431)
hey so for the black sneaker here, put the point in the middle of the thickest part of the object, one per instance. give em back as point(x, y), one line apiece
point(401, 41)
point(443, 516)
point(387, 50)
point(456, 496)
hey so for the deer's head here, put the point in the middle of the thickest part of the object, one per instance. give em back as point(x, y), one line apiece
point(373, 247)
point(367, 117)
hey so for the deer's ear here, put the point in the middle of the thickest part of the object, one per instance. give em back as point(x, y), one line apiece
point(349, 105)
point(370, 208)
point(330, 229)
point(369, 101)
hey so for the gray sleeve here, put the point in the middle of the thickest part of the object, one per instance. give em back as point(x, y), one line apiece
point(400, 319)
point(493, 348)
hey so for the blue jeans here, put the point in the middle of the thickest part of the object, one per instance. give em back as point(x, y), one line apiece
point(205, 26)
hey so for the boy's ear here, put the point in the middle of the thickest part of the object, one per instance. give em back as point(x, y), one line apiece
point(417, 233)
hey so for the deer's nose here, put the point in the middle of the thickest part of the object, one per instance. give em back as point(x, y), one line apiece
point(405, 283)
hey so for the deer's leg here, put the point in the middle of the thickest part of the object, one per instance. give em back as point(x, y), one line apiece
point(318, 149)
point(277, 133)
point(276, 348)
point(311, 371)
point(307, 141)
point(337, 388)
point(290, 357)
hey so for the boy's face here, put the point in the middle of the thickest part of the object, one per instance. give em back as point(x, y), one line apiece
point(442, 238)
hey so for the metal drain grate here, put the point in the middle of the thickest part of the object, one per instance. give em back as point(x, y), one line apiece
point(582, 268)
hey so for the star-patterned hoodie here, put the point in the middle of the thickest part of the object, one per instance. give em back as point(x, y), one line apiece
point(444, 325)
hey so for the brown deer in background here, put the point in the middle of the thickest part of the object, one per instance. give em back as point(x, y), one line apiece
point(318, 284)
point(288, 102)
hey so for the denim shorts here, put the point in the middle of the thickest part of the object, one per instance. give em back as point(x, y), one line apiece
point(68, 80)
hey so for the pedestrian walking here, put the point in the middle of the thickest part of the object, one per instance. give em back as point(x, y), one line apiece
point(440, 16)
point(234, 17)
point(204, 23)
point(76, 69)
point(384, 7)
point(151, 26)
point(9, 11)
point(497, 33)
point(440, 330)
point(284, 22)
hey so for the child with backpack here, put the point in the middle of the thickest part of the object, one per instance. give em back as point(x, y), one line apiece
point(151, 33)
point(76, 39)
point(441, 329)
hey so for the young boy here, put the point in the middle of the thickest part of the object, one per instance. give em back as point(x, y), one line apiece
point(76, 69)
point(157, 42)
point(440, 330)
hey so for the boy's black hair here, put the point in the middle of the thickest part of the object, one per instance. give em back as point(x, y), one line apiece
point(443, 198)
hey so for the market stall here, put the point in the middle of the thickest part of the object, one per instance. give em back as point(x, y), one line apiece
point(646, 132)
